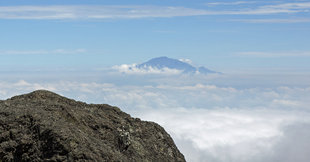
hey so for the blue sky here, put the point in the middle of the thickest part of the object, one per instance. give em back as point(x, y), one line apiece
point(218, 34)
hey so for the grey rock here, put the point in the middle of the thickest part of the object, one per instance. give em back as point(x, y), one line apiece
point(44, 126)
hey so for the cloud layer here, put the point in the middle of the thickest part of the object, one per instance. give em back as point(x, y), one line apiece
point(276, 54)
point(130, 12)
point(230, 3)
point(286, 20)
point(133, 69)
point(208, 122)
point(236, 135)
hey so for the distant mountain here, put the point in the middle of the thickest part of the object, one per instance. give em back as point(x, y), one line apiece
point(165, 62)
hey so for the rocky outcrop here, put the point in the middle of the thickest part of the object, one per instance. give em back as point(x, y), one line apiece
point(44, 126)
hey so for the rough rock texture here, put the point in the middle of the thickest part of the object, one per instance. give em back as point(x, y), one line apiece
point(43, 126)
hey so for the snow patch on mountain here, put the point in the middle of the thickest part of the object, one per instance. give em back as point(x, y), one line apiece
point(163, 65)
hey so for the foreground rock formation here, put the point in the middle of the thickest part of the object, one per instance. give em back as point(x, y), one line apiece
point(44, 126)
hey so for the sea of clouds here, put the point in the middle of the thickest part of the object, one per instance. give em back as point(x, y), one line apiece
point(208, 120)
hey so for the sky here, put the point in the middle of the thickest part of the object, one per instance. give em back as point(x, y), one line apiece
point(255, 110)
point(217, 34)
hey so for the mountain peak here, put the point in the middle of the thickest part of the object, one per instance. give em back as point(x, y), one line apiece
point(166, 62)
point(38, 95)
point(42, 94)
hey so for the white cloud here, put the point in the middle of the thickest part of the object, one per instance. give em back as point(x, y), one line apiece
point(39, 52)
point(289, 103)
point(94, 12)
point(290, 20)
point(282, 8)
point(276, 54)
point(225, 134)
point(230, 3)
point(298, 5)
point(200, 87)
point(21, 83)
point(133, 69)
point(186, 60)
point(293, 146)
point(130, 12)
point(302, 7)
point(167, 95)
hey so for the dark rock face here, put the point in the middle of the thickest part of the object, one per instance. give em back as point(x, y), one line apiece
point(43, 126)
